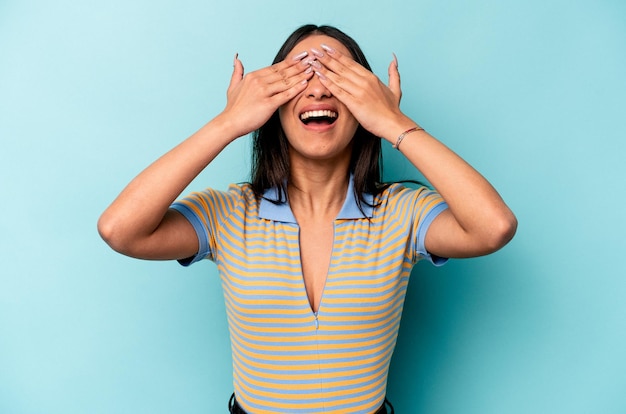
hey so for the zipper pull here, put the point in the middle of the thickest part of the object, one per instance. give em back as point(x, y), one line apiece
point(317, 322)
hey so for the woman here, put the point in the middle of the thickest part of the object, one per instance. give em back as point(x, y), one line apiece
point(314, 253)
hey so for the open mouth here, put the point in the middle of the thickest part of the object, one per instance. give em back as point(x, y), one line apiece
point(321, 117)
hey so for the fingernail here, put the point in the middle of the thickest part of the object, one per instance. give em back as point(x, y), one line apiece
point(319, 75)
point(328, 48)
point(395, 59)
point(317, 52)
point(309, 70)
point(312, 62)
point(235, 60)
point(301, 55)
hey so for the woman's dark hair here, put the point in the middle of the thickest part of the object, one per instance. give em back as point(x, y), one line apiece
point(270, 154)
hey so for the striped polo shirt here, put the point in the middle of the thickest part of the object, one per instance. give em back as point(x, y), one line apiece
point(287, 358)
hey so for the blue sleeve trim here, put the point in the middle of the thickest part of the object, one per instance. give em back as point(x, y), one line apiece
point(203, 236)
point(421, 235)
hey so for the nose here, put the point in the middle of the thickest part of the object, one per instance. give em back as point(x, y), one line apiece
point(316, 90)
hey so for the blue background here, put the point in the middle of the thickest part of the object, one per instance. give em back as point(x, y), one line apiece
point(532, 93)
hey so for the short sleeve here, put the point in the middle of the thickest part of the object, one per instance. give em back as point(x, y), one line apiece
point(207, 211)
point(422, 228)
point(418, 208)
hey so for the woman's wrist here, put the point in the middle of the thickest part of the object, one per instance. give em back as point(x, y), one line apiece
point(395, 129)
point(404, 134)
point(225, 128)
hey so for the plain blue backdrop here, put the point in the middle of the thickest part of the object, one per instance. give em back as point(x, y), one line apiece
point(532, 93)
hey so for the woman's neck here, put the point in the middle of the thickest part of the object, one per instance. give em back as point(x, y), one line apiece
point(317, 192)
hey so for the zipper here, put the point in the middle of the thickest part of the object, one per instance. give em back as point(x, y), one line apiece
point(315, 314)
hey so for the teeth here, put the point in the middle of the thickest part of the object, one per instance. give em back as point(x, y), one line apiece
point(318, 114)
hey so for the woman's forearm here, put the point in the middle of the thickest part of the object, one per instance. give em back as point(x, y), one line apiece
point(483, 217)
point(141, 207)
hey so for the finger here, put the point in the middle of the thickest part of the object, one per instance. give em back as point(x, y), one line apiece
point(282, 84)
point(238, 68)
point(278, 80)
point(338, 62)
point(288, 63)
point(394, 77)
point(287, 68)
point(285, 95)
point(342, 70)
point(237, 74)
point(339, 82)
point(338, 86)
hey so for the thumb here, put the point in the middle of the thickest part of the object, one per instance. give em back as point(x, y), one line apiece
point(394, 77)
point(238, 71)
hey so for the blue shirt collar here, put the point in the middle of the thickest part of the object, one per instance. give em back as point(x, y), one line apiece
point(282, 212)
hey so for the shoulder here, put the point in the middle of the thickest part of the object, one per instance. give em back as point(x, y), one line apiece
point(396, 192)
point(210, 199)
point(403, 202)
point(233, 193)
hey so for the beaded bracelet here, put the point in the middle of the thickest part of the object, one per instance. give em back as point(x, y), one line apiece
point(404, 134)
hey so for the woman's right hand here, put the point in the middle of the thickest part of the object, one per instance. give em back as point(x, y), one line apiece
point(138, 222)
point(254, 97)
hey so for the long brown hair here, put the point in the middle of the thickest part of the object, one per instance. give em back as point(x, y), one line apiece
point(270, 153)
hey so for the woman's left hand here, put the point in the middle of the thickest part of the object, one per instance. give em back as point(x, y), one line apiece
point(375, 105)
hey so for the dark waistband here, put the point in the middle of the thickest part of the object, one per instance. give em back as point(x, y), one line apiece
point(235, 408)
